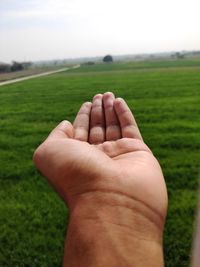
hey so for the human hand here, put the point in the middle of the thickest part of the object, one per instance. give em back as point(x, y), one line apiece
point(101, 162)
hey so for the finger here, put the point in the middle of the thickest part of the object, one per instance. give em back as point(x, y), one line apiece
point(63, 130)
point(81, 123)
point(128, 124)
point(97, 121)
point(113, 131)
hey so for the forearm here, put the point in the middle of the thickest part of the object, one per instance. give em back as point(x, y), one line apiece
point(110, 231)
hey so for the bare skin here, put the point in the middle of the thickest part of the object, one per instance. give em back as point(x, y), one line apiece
point(112, 184)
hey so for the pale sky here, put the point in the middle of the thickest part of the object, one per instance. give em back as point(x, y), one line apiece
point(58, 29)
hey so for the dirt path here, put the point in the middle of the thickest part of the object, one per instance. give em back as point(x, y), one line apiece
point(37, 75)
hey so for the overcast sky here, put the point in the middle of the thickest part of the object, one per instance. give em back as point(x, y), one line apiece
point(56, 29)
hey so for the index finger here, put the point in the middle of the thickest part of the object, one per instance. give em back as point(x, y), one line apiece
point(81, 123)
point(62, 130)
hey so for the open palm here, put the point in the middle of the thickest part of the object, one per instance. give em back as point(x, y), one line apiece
point(103, 153)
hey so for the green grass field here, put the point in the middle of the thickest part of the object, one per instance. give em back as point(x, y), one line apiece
point(165, 98)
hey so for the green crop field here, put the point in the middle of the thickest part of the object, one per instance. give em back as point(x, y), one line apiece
point(165, 98)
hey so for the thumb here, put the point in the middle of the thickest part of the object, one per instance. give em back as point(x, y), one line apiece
point(45, 154)
point(63, 130)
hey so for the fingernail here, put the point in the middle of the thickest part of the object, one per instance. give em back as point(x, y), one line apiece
point(63, 123)
point(109, 93)
point(119, 99)
point(98, 95)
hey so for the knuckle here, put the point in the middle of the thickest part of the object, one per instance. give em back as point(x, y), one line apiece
point(96, 138)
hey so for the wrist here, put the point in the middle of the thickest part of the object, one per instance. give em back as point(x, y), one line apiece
point(110, 229)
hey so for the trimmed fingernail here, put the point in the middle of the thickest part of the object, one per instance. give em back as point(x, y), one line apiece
point(64, 123)
point(87, 104)
point(98, 96)
point(119, 99)
point(109, 93)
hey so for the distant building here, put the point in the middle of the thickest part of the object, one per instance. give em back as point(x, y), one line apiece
point(4, 67)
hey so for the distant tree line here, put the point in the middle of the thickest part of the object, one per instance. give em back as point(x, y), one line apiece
point(15, 66)
point(88, 63)
point(178, 55)
point(105, 59)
